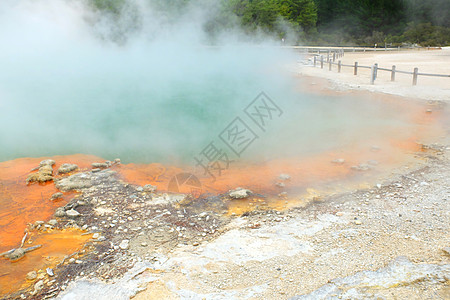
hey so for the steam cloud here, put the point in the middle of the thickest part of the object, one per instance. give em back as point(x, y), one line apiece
point(141, 86)
point(148, 87)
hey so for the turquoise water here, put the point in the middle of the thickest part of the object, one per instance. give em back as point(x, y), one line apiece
point(129, 111)
point(64, 90)
point(174, 120)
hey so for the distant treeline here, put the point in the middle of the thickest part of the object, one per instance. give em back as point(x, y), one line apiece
point(325, 22)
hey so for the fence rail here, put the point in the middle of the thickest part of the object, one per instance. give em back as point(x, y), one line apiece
point(333, 54)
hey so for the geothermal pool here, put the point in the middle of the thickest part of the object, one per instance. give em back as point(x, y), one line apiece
point(321, 142)
point(166, 106)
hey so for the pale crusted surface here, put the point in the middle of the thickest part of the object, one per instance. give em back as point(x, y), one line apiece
point(429, 88)
point(387, 241)
point(297, 252)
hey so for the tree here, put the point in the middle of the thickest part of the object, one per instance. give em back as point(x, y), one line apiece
point(299, 12)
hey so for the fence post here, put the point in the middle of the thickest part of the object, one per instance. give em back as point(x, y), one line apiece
point(355, 72)
point(416, 70)
point(321, 61)
point(334, 56)
point(328, 55)
point(329, 65)
point(339, 66)
point(372, 74)
point(315, 61)
point(393, 73)
point(375, 66)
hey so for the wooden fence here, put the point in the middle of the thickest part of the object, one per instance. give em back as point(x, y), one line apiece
point(333, 54)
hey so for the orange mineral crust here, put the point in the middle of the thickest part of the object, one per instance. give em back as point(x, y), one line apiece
point(21, 204)
point(55, 245)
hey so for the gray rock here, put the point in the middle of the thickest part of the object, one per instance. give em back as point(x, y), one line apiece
point(338, 161)
point(44, 173)
point(361, 167)
point(283, 195)
point(38, 223)
point(100, 165)
point(67, 168)
point(38, 286)
point(52, 222)
point(71, 213)
point(84, 180)
point(31, 275)
point(74, 182)
point(47, 162)
point(50, 272)
point(60, 212)
point(149, 188)
point(284, 177)
point(56, 196)
point(14, 254)
point(239, 193)
point(124, 245)
point(140, 189)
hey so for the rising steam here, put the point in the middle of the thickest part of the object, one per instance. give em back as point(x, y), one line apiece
point(140, 85)
point(149, 84)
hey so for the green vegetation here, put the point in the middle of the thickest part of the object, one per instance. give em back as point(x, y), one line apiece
point(332, 22)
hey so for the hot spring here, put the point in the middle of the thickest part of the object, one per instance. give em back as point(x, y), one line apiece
point(164, 100)
point(164, 95)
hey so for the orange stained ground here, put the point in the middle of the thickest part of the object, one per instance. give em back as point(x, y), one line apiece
point(21, 204)
point(55, 246)
point(312, 171)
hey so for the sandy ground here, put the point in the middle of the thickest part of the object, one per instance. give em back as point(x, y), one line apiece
point(428, 61)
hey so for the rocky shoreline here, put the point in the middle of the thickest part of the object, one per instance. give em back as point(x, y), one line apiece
point(169, 246)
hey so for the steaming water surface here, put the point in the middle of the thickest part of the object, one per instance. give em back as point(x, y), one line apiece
point(161, 97)
point(144, 110)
